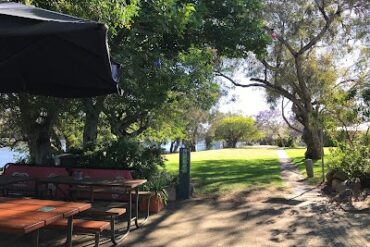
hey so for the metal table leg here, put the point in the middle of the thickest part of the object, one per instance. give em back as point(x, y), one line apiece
point(35, 236)
point(115, 239)
point(138, 225)
point(69, 231)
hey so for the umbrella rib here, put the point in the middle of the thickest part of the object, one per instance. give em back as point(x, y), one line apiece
point(19, 52)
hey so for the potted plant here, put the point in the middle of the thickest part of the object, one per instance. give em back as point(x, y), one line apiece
point(157, 198)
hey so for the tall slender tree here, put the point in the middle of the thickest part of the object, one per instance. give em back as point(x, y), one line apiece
point(302, 63)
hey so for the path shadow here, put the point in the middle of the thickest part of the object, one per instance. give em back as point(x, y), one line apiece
point(282, 200)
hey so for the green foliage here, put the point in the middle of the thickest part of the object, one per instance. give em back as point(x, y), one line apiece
point(168, 50)
point(236, 128)
point(117, 14)
point(352, 159)
point(231, 27)
point(158, 183)
point(127, 154)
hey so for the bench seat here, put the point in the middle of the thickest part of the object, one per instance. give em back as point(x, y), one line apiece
point(112, 214)
point(84, 226)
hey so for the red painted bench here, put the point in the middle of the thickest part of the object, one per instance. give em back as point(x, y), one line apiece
point(28, 187)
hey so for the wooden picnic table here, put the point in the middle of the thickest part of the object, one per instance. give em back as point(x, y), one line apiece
point(129, 185)
point(24, 215)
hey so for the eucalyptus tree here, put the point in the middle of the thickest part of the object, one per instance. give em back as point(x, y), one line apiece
point(304, 63)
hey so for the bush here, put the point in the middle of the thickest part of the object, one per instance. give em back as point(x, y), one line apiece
point(354, 160)
point(158, 183)
point(127, 154)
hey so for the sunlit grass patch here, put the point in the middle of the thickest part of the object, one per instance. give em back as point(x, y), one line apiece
point(218, 172)
point(297, 157)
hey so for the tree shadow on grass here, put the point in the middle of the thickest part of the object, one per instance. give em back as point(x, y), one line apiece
point(214, 176)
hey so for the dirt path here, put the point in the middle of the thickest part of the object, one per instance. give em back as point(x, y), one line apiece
point(297, 216)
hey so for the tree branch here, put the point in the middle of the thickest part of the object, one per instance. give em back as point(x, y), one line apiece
point(262, 83)
point(283, 41)
point(317, 38)
point(322, 9)
point(269, 66)
point(286, 120)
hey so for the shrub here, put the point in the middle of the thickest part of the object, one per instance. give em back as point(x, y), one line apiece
point(127, 154)
point(158, 183)
point(352, 159)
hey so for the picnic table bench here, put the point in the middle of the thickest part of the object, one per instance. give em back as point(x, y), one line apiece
point(129, 186)
point(23, 215)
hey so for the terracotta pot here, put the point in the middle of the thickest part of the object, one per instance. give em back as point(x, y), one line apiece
point(155, 206)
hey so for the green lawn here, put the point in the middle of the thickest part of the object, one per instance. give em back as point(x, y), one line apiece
point(297, 156)
point(217, 172)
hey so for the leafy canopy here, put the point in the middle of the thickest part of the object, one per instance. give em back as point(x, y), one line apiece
point(236, 128)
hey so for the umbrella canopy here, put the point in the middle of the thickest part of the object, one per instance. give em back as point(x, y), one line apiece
point(47, 53)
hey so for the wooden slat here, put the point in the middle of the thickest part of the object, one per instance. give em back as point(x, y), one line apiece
point(39, 202)
point(131, 183)
point(19, 207)
point(109, 212)
point(82, 225)
point(20, 225)
point(44, 216)
point(26, 215)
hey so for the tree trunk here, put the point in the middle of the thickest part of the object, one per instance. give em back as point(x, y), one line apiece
point(234, 143)
point(37, 127)
point(311, 136)
point(92, 111)
point(171, 147)
point(311, 131)
point(177, 145)
point(231, 143)
point(281, 141)
point(40, 146)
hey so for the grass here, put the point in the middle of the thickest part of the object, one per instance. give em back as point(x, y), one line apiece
point(218, 172)
point(297, 156)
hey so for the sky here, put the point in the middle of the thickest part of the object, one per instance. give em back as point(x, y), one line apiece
point(248, 101)
point(6, 156)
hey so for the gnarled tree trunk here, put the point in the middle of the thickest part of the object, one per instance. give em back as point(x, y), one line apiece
point(40, 145)
point(92, 109)
point(36, 127)
point(311, 136)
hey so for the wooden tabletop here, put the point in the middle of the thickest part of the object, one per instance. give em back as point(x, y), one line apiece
point(6, 180)
point(22, 215)
point(129, 183)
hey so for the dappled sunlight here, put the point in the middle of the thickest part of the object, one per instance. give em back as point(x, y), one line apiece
point(266, 218)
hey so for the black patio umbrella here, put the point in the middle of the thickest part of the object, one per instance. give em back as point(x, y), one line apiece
point(47, 53)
